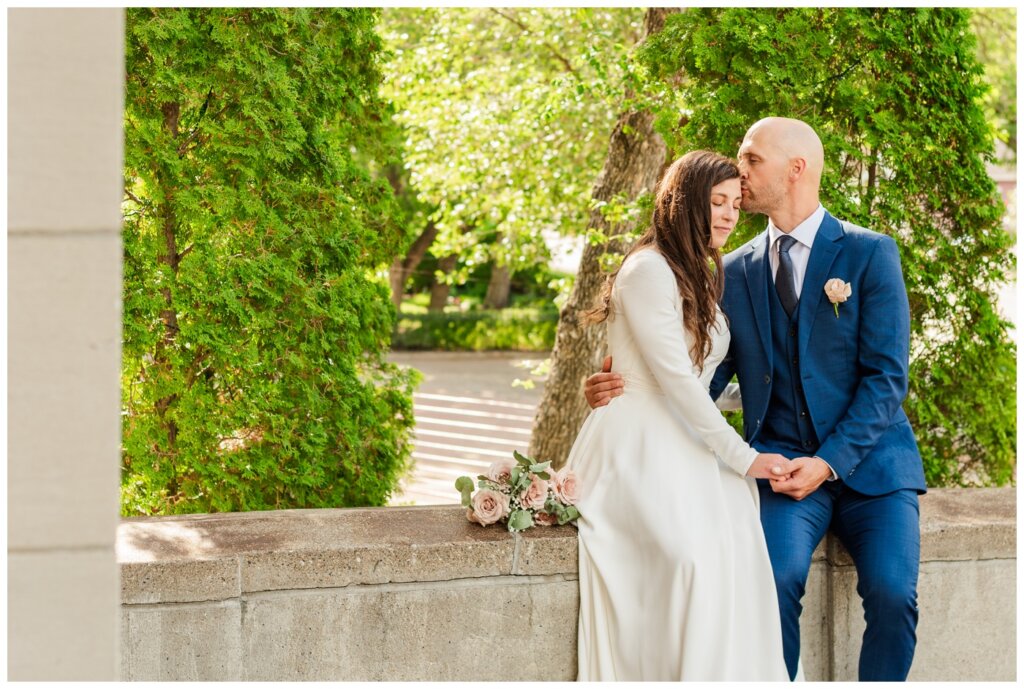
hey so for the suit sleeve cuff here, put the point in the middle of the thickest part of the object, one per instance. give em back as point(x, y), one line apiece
point(834, 475)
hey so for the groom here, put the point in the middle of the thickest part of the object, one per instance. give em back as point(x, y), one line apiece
point(820, 345)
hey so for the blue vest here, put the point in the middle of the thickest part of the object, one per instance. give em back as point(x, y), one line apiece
point(787, 424)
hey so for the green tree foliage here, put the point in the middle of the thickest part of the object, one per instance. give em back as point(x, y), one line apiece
point(996, 29)
point(895, 96)
point(506, 114)
point(255, 323)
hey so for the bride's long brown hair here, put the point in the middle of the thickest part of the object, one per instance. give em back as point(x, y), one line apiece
point(681, 230)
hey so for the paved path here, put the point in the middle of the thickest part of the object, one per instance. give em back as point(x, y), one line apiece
point(467, 415)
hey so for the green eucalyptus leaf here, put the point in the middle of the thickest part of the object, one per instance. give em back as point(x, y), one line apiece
point(519, 520)
point(464, 485)
point(568, 514)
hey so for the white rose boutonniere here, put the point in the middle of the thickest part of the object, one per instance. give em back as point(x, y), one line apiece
point(838, 292)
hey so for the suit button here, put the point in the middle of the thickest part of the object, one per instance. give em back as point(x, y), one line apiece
point(759, 422)
point(794, 361)
point(803, 414)
point(767, 379)
point(792, 332)
point(807, 443)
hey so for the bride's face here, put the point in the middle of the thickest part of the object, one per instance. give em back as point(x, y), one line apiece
point(725, 210)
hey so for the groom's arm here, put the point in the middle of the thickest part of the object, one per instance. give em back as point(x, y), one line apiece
point(883, 362)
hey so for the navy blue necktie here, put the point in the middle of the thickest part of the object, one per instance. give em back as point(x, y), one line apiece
point(784, 283)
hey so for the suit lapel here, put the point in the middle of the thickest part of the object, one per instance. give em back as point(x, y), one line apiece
point(823, 254)
point(755, 267)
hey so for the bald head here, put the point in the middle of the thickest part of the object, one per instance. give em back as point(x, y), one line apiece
point(795, 139)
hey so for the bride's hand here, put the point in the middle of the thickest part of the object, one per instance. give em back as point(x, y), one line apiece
point(600, 388)
point(770, 465)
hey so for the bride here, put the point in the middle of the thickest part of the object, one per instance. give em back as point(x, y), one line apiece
point(675, 581)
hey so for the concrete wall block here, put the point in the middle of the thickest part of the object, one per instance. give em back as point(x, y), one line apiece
point(502, 629)
point(374, 565)
point(967, 629)
point(548, 550)
point(62, 616)
point(195, 642)
point(324, 548)
point(65, 364)
point(968, 524)
point(847, 623)
point(65, 87)
point(179, 582)
point(814, 625)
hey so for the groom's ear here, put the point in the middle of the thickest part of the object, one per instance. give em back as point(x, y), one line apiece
point(797, 168)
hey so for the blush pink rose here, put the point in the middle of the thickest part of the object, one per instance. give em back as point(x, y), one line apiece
point(489, 506)
point(500, 470)
point(567, 486)
point(545, 519)
point(536, 495)
point(838, 291)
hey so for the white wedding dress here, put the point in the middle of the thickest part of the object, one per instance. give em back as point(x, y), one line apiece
point(675, 580)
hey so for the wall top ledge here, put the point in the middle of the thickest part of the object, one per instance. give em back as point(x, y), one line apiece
point(218, 556)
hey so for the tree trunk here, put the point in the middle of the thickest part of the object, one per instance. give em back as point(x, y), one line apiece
point(170, 257)
point(402, 268)
point(636, 157)
point(498, 288)
point(439, 292)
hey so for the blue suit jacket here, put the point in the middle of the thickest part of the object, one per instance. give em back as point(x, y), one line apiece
point(854, 367)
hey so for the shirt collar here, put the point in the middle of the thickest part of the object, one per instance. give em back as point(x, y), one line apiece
point(804, 232)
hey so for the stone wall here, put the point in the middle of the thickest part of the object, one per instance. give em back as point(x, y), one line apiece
point(418, 593)
point(64, 172)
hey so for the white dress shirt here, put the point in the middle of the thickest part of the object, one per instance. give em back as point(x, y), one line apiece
point(800, 251)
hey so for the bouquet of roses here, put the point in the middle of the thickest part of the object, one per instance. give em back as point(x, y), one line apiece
point(522, 491)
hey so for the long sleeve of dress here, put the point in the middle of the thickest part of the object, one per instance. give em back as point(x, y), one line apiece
point(649, 298)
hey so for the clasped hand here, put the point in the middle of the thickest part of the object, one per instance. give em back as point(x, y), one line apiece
point(796, 478)
point(801, 476)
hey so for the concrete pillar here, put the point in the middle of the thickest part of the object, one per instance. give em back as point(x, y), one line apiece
point(65, 109)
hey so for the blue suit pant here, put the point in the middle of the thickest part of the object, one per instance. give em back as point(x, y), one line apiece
point(882, 535)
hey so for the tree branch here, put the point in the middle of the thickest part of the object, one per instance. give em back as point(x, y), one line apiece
point(133, 197)
point(525, 29)
point(184, 147)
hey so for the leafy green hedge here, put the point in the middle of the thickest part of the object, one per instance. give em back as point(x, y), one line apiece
point(531, 330)
point(255, 329)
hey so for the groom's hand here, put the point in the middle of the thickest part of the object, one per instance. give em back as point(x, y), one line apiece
point(808, 473)
point(600, 388)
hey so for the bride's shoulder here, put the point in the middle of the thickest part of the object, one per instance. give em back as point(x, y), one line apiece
point(645, 272)
point(645, 260)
